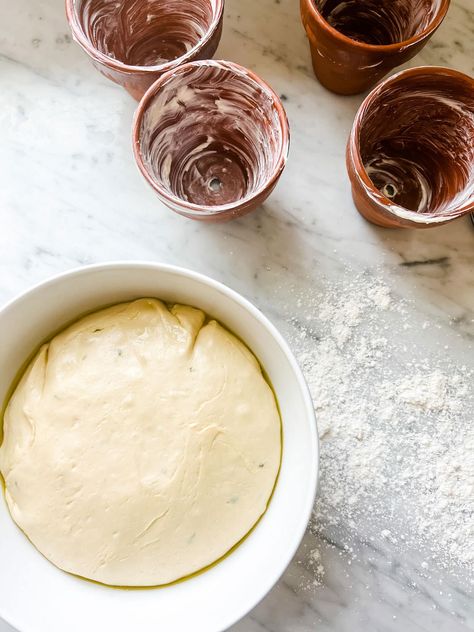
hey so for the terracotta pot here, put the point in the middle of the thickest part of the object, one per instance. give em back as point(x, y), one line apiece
point(212, 140)
point(133, 42)
point(355, 43)
point(410, 155)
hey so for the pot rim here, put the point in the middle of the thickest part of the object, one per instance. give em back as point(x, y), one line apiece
point(202, 211)
point(115, 64)
point(429, 30)
point(384, 204)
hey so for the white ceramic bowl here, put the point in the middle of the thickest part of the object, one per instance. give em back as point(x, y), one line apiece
point(37, 597)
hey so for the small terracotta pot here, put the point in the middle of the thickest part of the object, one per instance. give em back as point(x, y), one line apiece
point(133, 42)
point(354, 43)
point(212, 140)
point(410, 155)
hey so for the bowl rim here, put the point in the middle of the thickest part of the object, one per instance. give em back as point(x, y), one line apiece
point(309, 413)
point(189, 208)
point(83, 41)
point(414, 39)
point(385, 204)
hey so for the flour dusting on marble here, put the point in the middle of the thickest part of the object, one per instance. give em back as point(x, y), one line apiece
point(390, 424)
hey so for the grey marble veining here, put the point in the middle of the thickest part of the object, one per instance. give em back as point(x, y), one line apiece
point(70, 195)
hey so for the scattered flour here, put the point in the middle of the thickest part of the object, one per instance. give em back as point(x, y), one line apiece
point(397, 442)
point(315, 570)
point(315, 562)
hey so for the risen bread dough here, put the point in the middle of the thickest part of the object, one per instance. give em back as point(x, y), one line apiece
point(141, 444)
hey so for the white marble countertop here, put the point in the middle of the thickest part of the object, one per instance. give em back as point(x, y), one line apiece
point(70, 195)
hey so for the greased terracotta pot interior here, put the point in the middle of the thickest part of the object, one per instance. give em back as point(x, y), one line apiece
point(412, 146)
point(354, 44)
point(379, 22)
point(144, 33)
point(149, 33)
point(133, 43)
point(211, 136)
